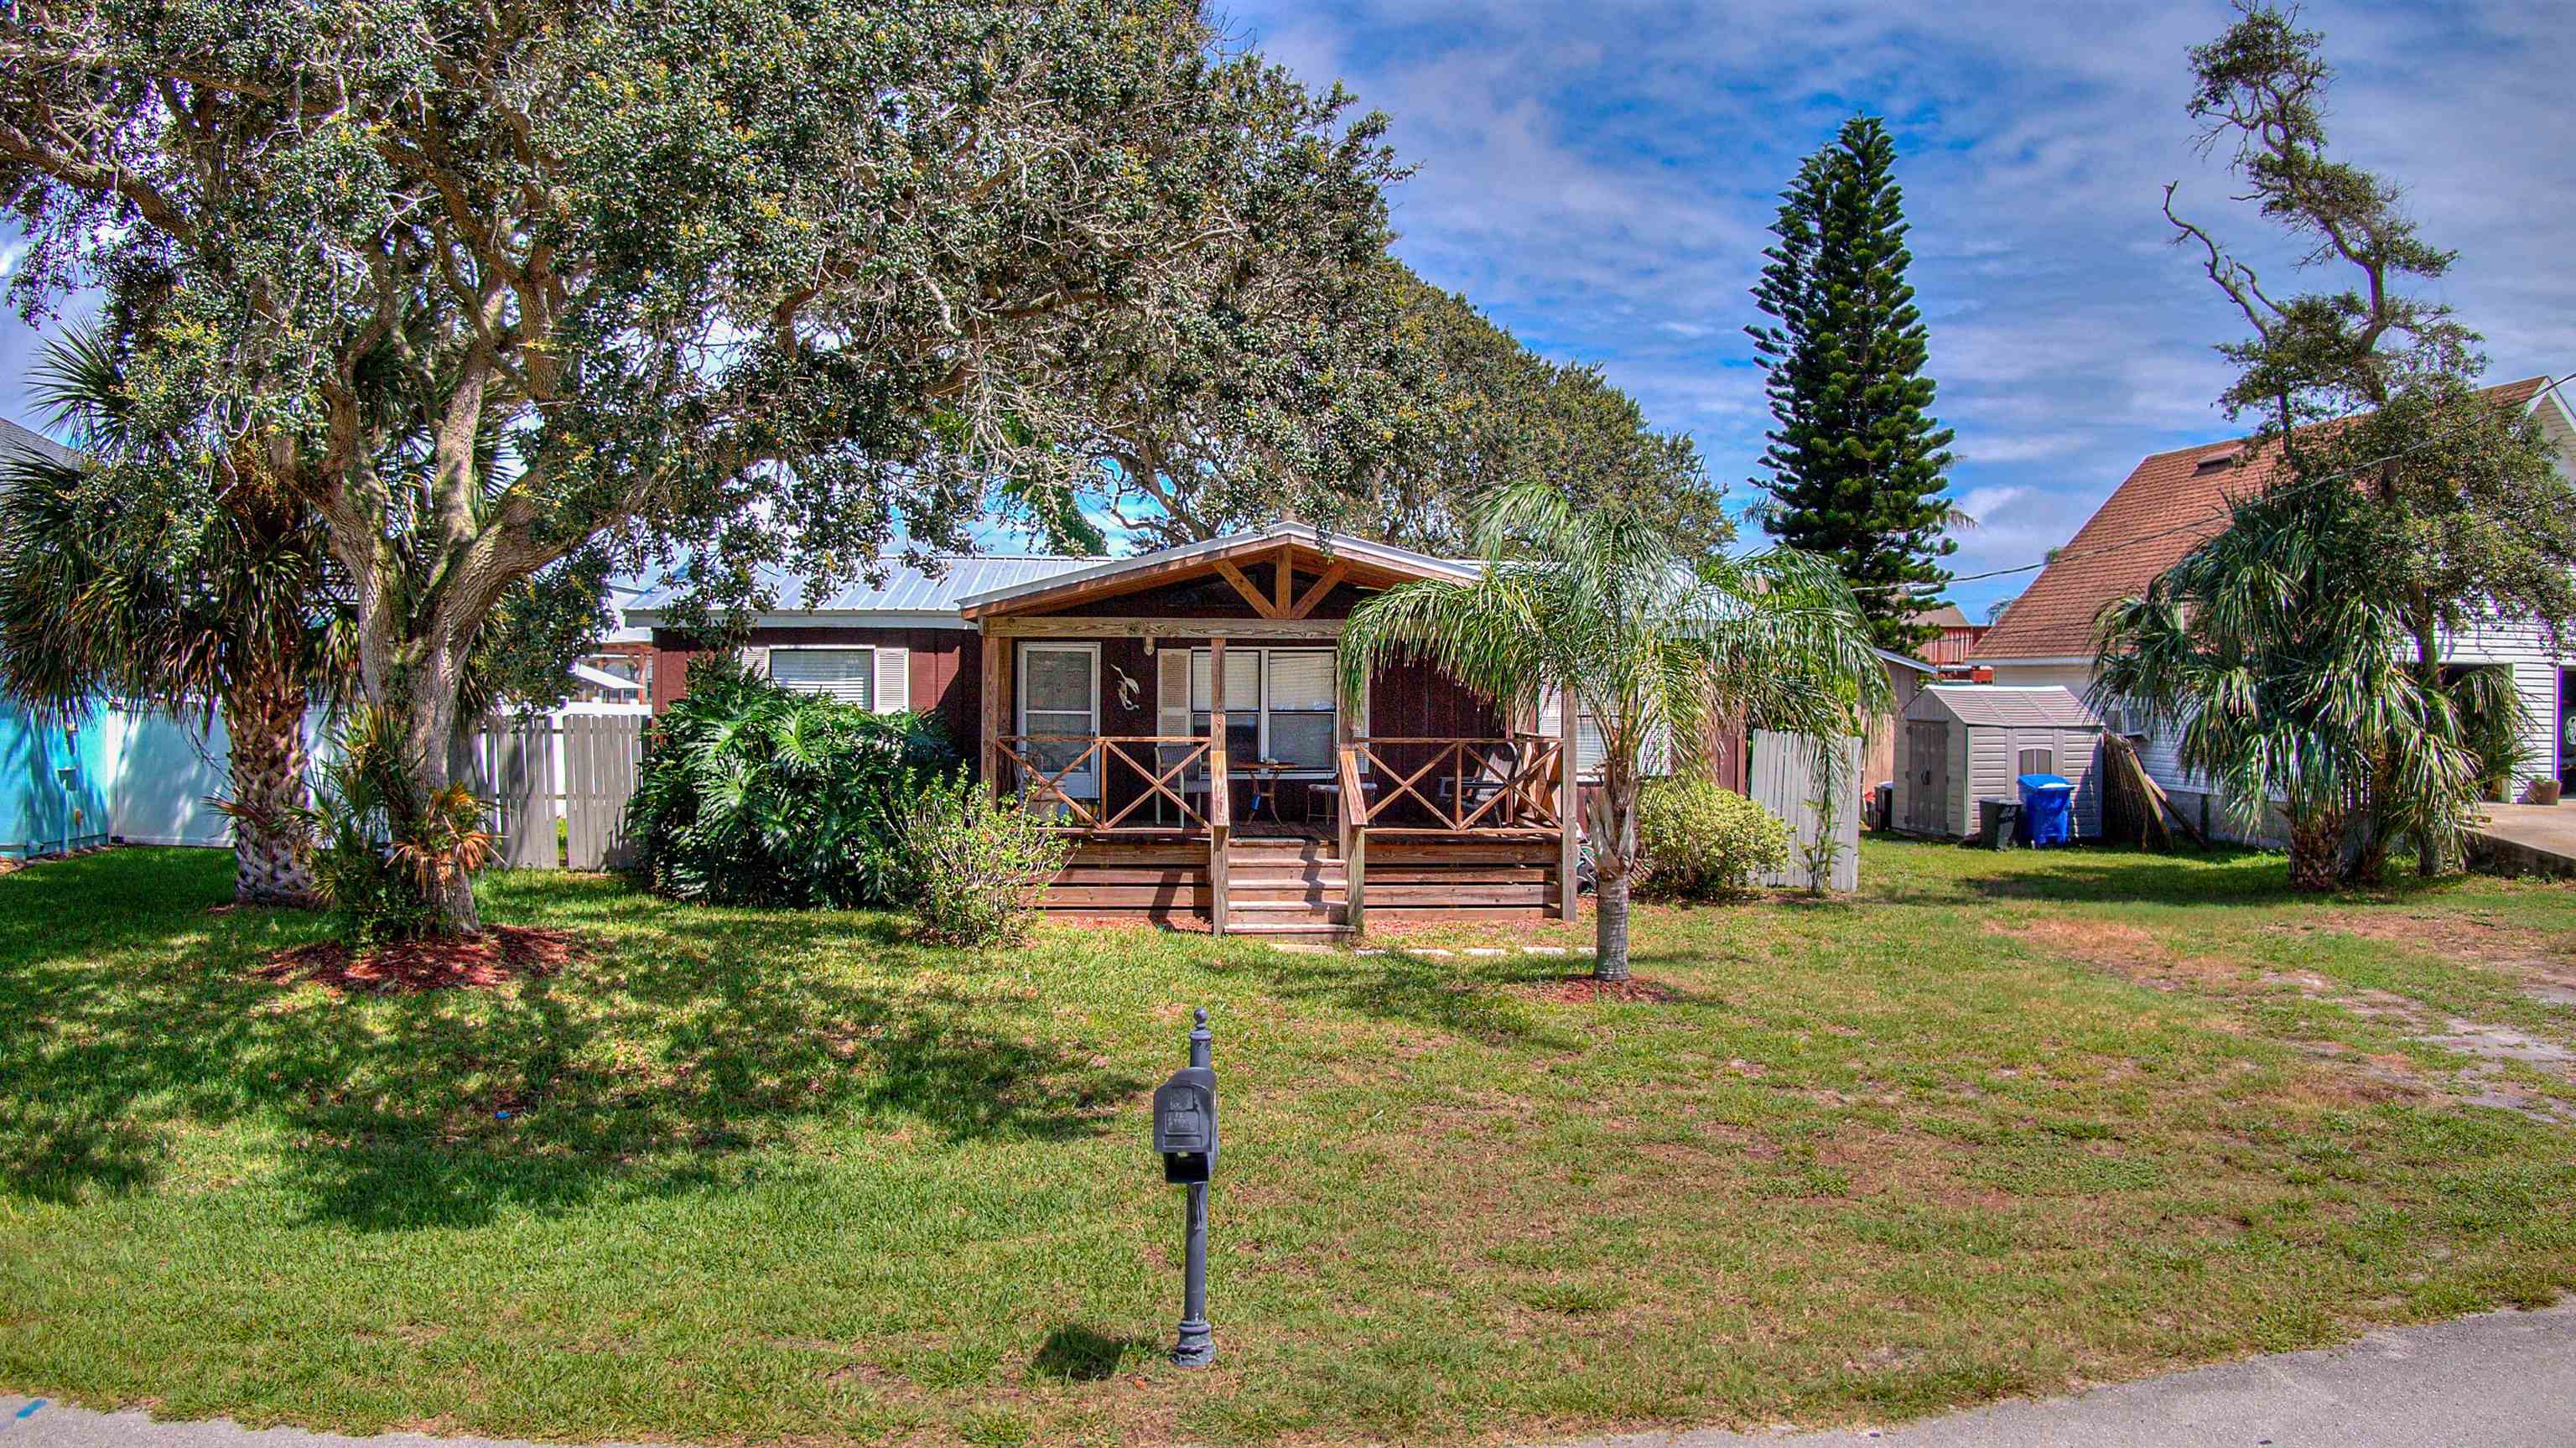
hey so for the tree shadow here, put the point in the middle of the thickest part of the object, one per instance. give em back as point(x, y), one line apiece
point(1420, 990)
point(1075, 1353)
point(655, 1067)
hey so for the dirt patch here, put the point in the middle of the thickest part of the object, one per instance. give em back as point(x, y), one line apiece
point(2540, 966)
point(2124, 950)
point(498, 955)
point(1581, 988)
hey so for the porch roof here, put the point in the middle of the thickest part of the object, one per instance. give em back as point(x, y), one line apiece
point(1364, 560)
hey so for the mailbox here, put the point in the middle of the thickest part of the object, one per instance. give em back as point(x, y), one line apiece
point(1185, 1124)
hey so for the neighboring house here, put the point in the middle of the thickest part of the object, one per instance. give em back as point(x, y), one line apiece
point(2174, 501)
point(1950, 652)
point(1093, 684)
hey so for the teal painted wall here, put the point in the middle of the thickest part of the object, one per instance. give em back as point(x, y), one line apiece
point(54, 782)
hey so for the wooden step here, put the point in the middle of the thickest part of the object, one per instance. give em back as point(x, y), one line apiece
point(1299, 927)
point(1308, 904)
point(1266, 878)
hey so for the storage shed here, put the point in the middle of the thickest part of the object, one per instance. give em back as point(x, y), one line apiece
point(1968, 742)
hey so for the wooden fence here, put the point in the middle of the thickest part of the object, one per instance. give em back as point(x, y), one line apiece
point(1783, 780)
point(558, 784)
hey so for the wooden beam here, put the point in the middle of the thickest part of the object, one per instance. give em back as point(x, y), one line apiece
point(989, 721)
point(1283, 585)
point(1569, 800)
point(1220, 798)
point(1315, 591)
point(1260, 602)
point(1058, 626)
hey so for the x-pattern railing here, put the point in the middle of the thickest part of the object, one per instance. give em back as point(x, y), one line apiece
point(1164, 775)
point(1523, 793)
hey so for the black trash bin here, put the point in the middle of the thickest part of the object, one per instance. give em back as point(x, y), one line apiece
point(1998, 823)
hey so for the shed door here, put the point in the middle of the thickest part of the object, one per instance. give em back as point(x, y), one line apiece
point(1927, 766)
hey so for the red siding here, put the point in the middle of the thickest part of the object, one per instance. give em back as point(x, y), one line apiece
point(944, 670)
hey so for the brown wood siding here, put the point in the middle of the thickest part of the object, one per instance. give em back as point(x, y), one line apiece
point(941, 670)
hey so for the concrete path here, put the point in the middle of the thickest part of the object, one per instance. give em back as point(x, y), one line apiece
point(2504, 1380)
point(2536, 839)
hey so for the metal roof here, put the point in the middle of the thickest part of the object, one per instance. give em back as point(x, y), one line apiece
point(15, 439)
point(2051, 706)
point(904, 588)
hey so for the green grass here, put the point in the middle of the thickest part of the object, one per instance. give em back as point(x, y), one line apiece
point(2001, 1124)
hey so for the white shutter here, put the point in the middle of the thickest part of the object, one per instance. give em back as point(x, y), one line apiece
point(755, 658)
point(894, 680)
point(1172, 692)
point(845, 674)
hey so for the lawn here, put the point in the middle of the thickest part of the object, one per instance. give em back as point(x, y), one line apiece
point(2001, 1124)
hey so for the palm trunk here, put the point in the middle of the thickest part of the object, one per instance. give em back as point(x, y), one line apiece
point(1610, 928)
point(264, 715)
point(2316, 851)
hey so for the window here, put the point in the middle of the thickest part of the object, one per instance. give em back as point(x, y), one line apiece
point(1060, 696)
point(1279, 704)
point(846, 674)
point(2038, 761)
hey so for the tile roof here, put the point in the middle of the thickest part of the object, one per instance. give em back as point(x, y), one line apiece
point(2171, 503)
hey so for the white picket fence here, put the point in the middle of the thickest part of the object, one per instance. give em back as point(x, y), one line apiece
point(572, 770)
point(1782, 779)
point(558, 783)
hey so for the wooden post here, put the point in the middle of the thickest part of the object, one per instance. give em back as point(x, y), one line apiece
point(1569, 802)
point(989, 667)
point(1220, 803)
point(1348, 728)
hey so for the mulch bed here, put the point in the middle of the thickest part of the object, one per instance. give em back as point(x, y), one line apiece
point(497, 956)
point(1582, 988)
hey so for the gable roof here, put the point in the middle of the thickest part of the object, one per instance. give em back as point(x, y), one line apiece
point(21, 440)
point(2171, 503)
point(1118, 574)
point(2049, 706)
point(1945, 616)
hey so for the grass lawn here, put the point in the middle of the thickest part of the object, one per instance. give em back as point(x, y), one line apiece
point(2000, 1124)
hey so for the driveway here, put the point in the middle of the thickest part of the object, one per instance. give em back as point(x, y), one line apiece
point(2502, 1380)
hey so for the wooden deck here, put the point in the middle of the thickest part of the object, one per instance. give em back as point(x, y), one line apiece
point(1299, 883)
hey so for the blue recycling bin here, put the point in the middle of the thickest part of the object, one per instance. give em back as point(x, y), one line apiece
point(2047, 809)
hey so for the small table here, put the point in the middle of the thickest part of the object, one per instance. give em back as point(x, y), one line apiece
point(1264, 774)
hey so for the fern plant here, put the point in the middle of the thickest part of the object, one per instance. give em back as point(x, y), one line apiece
point(751, 794)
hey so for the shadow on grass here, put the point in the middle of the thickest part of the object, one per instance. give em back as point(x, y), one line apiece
point(1075, 1353)
point(1470, 998)
point(692, 1037)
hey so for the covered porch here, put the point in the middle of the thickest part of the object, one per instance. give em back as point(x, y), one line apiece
point(1181, 715)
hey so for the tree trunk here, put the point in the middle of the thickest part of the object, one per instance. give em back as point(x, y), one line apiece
point(264, 715)
point(2316, 852)
point(1610, 928)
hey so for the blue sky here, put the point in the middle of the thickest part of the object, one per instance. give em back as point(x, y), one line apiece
point(1598, 177)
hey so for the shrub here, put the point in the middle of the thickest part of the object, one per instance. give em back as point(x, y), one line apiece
point(751, 794)
point(382, 865)
point(1696, 841)
point(977, 866)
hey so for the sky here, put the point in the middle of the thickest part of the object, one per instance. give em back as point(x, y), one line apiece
point(1598, 177)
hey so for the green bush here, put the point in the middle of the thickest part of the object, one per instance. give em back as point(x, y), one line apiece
point(383, 865)
point(976, 867)
point(1696, 841)
point(751, 794)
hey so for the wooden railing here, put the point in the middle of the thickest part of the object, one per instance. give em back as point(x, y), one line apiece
point(1163, 770)
point(1495, 783)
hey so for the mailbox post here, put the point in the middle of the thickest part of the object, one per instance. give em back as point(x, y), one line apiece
point(1185, 1134)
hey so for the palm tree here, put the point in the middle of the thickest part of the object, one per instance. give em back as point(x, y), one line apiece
point(104, 591)
point(1600, 604)
point(2282, 659)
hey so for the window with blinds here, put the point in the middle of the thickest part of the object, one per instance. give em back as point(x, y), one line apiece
point(846, 674)
point(1278, 703)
